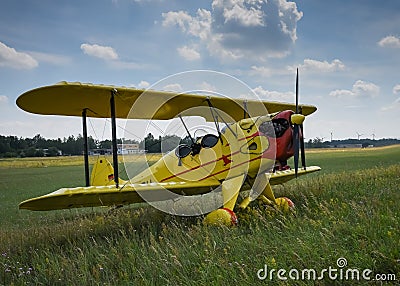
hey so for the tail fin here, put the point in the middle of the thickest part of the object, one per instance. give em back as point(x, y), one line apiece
point(103, 173)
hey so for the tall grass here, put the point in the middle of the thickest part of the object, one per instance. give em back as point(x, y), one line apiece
point(349, 213)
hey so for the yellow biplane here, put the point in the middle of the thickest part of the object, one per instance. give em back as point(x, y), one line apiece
point(249, 153)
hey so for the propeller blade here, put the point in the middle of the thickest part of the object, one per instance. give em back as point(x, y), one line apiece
point(296, 128)
point(296, 147)
point(303, 154)
point(297, 90)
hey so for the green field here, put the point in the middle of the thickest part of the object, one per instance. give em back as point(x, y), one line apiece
point(351, 210)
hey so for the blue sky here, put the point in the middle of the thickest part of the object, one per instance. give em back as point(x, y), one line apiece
point(348, 53)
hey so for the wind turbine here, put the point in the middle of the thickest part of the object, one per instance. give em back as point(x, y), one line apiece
point(359, 135)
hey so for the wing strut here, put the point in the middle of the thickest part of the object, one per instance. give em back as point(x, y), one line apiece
point(114, 137)
point(215, 117)
point(195, 147)
point(85, 147)
point(187, 130)
point(245, 110)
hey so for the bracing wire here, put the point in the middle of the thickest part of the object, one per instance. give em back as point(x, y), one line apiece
point(152, 123)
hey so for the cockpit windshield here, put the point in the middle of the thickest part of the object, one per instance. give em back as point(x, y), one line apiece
point(280, 126)
point(209, 141)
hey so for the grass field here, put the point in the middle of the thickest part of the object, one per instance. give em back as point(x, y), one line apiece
point(351, 210)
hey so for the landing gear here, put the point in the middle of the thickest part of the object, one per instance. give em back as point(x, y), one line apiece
point(222, 216)
point(225, 215)
point(284, 204)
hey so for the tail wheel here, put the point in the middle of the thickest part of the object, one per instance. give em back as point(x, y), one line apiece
point(222, 216)
point(284, 204)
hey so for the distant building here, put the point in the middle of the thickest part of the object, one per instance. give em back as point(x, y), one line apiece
point(47, 153)
point(126, 149)
point(346, 146)
point(122, 149)
point(97, 152)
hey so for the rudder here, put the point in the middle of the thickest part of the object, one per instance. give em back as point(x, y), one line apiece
point(102, 173)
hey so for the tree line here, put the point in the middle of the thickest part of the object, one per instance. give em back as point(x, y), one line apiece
point(320, 143)
point(13, 146)
point(38, 146)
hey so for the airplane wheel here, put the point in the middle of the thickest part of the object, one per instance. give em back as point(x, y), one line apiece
point(284, 204)
point(222, 216)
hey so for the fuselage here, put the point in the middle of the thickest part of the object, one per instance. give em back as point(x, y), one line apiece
point(249, 146)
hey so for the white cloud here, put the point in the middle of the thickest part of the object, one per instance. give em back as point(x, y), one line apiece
point(206, 86)
point(396, 89)
point(102, 52)
point(238, 12)
point(143, 84)
point(360, 89)
point(9, 57)
point(251, 29)
point(173, 87)
point(198, 26)
point(394, 106)
point(110, 55)
point(262, 71)
point(321, 66)
point(289, 16)
point(188, 53)
point(50, 58)
point(389, 42)
point(342, 93)
point(3, 99)
point(274, 95)
point(309, 65)
point(125, 65)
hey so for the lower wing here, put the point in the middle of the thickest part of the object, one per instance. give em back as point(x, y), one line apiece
point(110, 195)
point(94, 196)
point(280, 177)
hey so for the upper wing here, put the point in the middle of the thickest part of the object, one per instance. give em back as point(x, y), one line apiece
point(72, 98)
point(110, 195)
point(280, 177)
